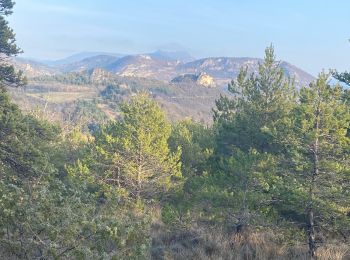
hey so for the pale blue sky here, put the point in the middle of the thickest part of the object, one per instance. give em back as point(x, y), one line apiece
point(312, 34)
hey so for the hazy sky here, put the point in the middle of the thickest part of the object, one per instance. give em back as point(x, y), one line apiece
point(312, 34)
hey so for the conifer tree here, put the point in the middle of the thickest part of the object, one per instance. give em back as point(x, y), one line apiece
point(249, 127)
point(133, 153)
point(8, 48)
point(321, 159)
point(260, 102)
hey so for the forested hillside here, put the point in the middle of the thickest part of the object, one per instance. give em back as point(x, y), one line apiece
point(267, 178)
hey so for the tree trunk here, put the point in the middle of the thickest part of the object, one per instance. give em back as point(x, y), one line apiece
point(243, 219)
point(311, 220)
point(139, 171)
point(311, 234)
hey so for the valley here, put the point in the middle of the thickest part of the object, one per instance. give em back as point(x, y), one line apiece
point(185, 87)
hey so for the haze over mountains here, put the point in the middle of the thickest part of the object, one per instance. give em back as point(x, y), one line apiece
point(160, 65)
point(182, 85)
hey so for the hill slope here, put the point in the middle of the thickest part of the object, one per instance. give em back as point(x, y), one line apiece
point(222, 69)
point(160, 65)
point(184, 89)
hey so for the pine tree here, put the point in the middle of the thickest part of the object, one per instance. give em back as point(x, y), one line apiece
point(249, 128)
point(8, 48)
point(343, 77)
point(42, 216)
point(260, 102)
point(196, 142)
point(133, 153)
point(320, 155)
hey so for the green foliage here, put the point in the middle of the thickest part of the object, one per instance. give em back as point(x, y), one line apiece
point(86, 114)
point(129, 161)
point(248, 128)
point(6, 7)
point(240, 189)
point(343, 77)
point(196, 142)
point(132, 154)
point(74, 78)
point(23, 141)
point(261, 102)
point(46, 214)
point(43, 216)
point(56, 221)
point(263, 166)
point(274, 158)
point(319, 154)
point(8, 48)
point(114, 93)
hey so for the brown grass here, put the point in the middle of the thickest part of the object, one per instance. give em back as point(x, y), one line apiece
point(216, 244)
point(61, 97)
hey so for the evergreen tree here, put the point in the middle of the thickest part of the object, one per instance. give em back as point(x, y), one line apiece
point(343, 77)
point(8, 48)
point(133, 153)
point(250, 127)
point(43, 216)
point(259, 104)
point(319, 153)
point(196, 142)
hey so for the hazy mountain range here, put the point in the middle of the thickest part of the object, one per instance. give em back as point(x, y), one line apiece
point(182, 85)
point(160, 65)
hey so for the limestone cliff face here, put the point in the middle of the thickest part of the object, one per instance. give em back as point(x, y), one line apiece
point(206, 80)
point(98, 75)
point(202, 79)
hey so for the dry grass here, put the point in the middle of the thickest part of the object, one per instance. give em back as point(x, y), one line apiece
point(61, 97)
point(215, 244)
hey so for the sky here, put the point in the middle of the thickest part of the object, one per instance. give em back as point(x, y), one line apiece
point(311, 34)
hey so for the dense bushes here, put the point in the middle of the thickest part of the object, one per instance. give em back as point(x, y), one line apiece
point(270, 179)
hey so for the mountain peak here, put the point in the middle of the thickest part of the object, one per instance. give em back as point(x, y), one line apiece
point(165, 66)
point(183, 56)
point(78, 57)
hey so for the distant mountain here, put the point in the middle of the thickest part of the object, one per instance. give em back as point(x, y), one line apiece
point(299, 75)
point(222, 69)
point(225, 68)
point(98, 61)
point(159, 65)
point(33, 68)
point(144, 66)
point(172, 55)
point(78, 57)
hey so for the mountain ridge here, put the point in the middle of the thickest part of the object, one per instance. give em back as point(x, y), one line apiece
point(154, 65)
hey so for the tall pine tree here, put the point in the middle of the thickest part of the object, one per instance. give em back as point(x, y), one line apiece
point(260, 102)
point(319, 153)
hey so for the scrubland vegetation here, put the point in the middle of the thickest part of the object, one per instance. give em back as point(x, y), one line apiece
point(268, 179)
